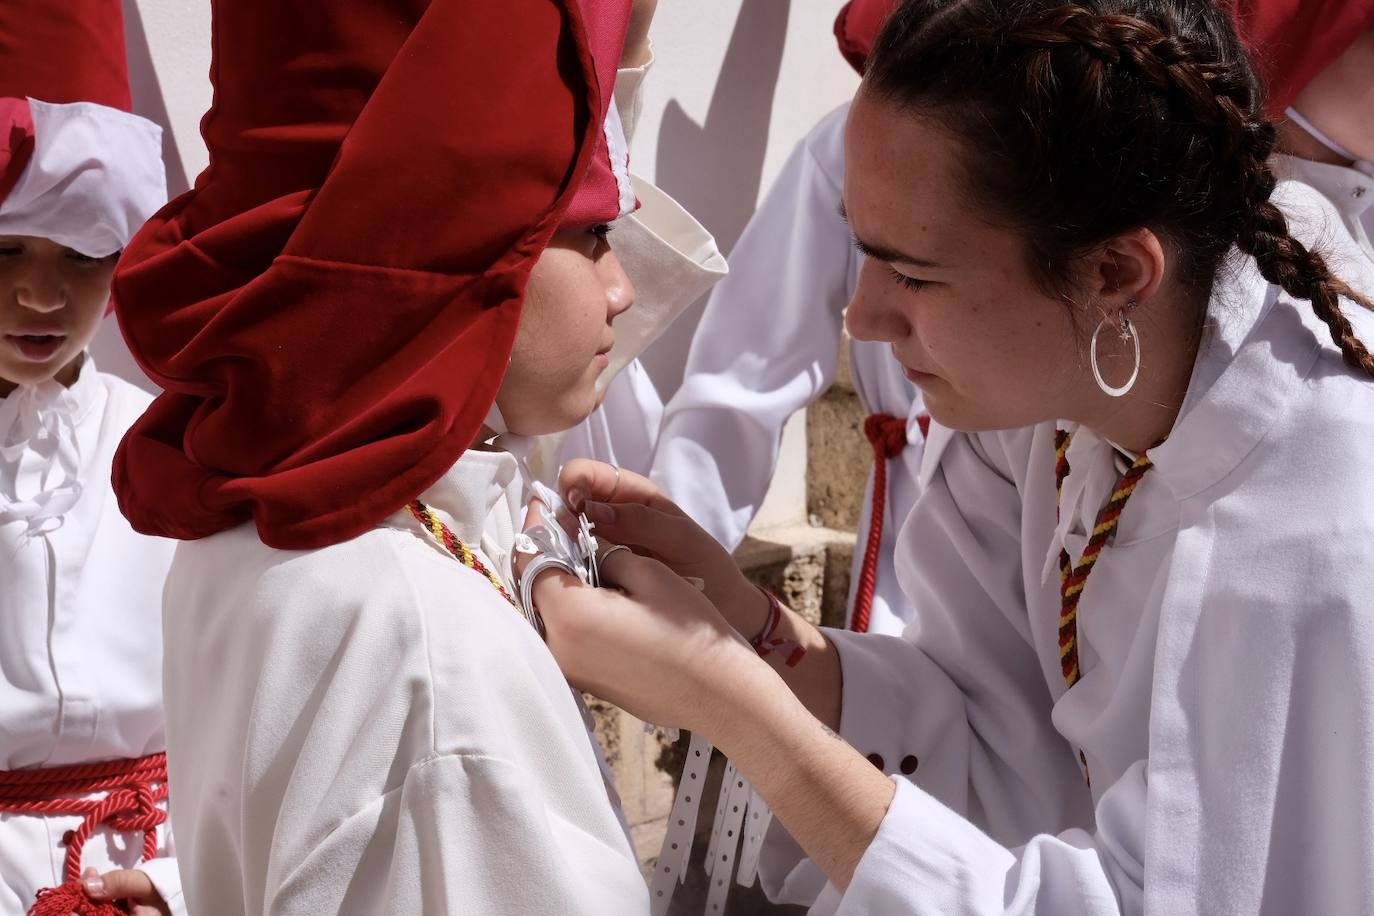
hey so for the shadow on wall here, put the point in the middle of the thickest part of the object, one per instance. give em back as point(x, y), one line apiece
point(715, 169)
point(108, 348)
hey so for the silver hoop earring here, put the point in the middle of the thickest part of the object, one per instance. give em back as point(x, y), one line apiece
point(1126, 329)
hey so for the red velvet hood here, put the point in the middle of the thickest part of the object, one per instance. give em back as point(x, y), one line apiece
point(331, 309)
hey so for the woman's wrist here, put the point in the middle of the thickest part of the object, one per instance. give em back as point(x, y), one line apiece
point(745, 606)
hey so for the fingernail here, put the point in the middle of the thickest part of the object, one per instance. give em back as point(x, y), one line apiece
point(95, 885)
point(576, 498)
point(601, 513)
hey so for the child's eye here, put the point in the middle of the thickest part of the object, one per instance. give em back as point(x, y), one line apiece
point(78, 257)
point(910, 283)
point(603, 230)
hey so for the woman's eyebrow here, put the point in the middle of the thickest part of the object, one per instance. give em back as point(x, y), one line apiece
point(883, 253)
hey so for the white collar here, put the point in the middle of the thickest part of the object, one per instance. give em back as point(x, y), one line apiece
point(1350, 190)
point(40, 450)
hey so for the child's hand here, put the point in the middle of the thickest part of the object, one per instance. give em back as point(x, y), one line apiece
point(129, 885)
point(629, 509)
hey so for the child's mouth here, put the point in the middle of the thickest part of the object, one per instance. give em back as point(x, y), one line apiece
point(38, 348)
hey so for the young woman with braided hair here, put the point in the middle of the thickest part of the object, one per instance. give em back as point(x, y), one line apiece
point(1143, 556)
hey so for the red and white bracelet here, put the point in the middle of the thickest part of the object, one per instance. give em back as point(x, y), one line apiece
point(766, 643)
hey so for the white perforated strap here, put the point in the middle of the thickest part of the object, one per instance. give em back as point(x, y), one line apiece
point(671, 869)
point(755, 827)
point(736, 790)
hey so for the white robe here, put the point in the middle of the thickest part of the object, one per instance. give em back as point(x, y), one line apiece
point(371, 728)
point(80, 625)
point(767, 346)
point(1226, 709)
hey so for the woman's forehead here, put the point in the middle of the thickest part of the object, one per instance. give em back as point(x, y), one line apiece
point(902, 177)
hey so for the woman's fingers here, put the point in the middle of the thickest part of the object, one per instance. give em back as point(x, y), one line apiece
point(583, 480)
point(645, 528)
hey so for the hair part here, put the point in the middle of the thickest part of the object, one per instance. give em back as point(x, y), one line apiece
point(1086, 120)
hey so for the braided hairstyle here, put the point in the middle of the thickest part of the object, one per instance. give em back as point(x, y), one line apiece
point(1088, 119)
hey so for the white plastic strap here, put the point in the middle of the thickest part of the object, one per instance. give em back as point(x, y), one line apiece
point(719, 818)
point(736, 791)
point(755, 827)
point(671, 869)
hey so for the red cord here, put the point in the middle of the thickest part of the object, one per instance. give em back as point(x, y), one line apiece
point(134, 787)
point(887, 435)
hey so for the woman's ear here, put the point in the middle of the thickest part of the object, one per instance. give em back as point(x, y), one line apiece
point(1129, 268)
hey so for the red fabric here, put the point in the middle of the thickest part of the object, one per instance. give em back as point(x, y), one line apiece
point(598, 199)
point(64, 51)
point(857, 28)
point(332, 308)
point(16, 142)
point(1294, 40)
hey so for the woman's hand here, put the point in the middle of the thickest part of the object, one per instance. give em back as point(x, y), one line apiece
point(631, 510)
point(126, 884)
point(649, 642)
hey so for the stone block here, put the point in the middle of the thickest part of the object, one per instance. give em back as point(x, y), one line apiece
point(838, 460)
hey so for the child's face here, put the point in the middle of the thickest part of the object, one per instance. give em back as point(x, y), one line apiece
point(51, 301)
point(576, 290)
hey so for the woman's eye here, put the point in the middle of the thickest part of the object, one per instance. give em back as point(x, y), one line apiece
point(910, 283)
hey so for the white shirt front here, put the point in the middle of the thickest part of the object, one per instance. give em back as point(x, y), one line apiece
point(768, 345)
point(80, 627)
point(372, 728)
point(1226, 709)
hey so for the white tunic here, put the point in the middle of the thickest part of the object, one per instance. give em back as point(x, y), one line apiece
point(80, 621)
point(1226, 709)
point(767, 346)
point(371, 728)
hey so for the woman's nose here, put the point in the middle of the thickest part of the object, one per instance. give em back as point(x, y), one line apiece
point(874, 312)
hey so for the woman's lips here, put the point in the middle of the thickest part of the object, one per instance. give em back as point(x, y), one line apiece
point(918, 378)
point(37, 348)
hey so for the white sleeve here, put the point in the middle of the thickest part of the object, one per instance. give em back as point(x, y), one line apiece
point(958, 705)
point(929, 861)
point(767, 345)
point(166, 879)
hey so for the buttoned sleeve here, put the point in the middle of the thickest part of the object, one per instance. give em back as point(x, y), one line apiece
point(956, 709)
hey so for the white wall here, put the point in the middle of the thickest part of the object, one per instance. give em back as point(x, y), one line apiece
point(735, 85)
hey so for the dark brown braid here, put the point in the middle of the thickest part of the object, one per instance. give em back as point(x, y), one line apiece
point(1093, 118)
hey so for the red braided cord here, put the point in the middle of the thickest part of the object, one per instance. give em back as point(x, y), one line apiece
point(1072, 577)
point(455, 547)
point(887, 435)
point(26, 785)
point(130, 806)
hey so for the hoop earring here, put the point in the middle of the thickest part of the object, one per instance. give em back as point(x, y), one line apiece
point(1126, 329)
